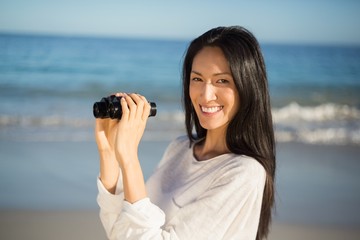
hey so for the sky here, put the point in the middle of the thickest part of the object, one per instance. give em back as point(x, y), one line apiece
point(284, 21)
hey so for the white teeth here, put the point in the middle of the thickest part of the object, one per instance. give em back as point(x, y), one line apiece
point(211, 109)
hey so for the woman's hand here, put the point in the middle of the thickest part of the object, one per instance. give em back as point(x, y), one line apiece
point(105, 133)
point(118, 142)
point(131, 127)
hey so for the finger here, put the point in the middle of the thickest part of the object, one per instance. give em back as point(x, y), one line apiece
point(119, 94)
point(147, 108)
point(124, 108)
point(132, 107)
point(139, 104)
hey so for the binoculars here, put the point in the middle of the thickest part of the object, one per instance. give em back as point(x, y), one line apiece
point(110, 107)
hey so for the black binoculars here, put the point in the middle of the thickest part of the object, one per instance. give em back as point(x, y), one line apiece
point(110, 107)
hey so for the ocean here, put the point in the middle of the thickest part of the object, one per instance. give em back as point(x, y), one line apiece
point(48, 85)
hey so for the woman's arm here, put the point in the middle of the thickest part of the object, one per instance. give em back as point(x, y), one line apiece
point(109, 167)
point(118, 142)
point(131, 127)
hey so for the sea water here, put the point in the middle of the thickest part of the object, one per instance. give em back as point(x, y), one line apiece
point(48, 85)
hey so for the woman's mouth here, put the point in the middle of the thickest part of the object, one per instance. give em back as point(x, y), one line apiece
point(211, 109)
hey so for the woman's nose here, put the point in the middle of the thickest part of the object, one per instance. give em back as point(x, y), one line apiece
point(209, 92)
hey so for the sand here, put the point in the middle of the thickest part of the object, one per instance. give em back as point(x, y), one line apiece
point(318, 191)
point(41, 225)
point(52, 225)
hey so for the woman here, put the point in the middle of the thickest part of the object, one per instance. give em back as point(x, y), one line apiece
point(218, 181)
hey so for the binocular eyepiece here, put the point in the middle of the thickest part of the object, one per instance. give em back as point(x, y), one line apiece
point(110, 107)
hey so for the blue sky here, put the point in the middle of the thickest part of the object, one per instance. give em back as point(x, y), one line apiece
point(293, 21)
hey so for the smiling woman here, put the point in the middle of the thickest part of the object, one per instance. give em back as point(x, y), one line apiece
point(214, 183)
point(213, 92)
point(250, 132)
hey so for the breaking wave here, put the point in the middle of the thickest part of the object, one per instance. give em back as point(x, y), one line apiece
point(322, 124)
point(325, 124)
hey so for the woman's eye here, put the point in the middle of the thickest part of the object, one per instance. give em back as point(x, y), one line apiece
point(223, 81)
point(195, 79)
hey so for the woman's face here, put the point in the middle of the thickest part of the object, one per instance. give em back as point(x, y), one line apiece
point(212, 89)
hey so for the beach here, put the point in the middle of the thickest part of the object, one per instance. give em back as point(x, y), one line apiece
point(86, 225)
point(59, 201)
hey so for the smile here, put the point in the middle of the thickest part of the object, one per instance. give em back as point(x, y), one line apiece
point(211, 109)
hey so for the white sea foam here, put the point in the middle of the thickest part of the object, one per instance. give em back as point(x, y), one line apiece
point(324, 112)
point(323, 124)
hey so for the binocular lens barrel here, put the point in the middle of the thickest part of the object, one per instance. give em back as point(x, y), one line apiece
point(100, 110)
point(110, 107)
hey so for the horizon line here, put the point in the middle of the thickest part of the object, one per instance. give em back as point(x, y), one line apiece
point(168, 38)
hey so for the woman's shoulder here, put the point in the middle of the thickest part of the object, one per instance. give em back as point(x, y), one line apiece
point(249, 163)
point(177, 146)
point(241, 167)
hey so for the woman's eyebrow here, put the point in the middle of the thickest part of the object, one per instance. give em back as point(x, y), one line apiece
point(215, 74)
point(197, 73)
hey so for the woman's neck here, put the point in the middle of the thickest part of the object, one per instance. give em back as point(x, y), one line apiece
point(212, 146)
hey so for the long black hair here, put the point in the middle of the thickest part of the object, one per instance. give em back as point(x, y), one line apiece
point(250, 132)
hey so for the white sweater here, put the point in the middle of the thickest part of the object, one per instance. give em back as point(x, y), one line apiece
point(219, 198)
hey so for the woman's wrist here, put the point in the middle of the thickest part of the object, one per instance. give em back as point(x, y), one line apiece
point(107, 156)
point(106, 151)
point(133, 181)
point(109, 169)
point(126, 158)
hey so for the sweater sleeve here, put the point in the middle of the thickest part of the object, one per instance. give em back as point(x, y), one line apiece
point(228, 209)
point(123, 220)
